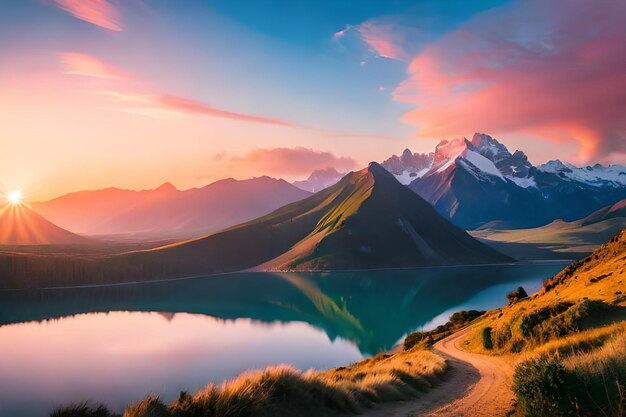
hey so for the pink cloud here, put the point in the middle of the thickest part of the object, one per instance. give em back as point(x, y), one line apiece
point(97, 12)
point(382, 37)
point(292, 161)
point(185, 105)
point(149, 103)
point(145, 101)
point(90, 66)
point(556, 70)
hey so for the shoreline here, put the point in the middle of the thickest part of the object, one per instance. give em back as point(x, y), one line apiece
point(254, 271)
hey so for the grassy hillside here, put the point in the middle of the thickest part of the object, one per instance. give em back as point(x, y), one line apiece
point(284, 391)
point(570, 338)
point(382, 224)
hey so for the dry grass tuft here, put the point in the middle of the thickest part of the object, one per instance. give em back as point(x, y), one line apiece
point(282, 391)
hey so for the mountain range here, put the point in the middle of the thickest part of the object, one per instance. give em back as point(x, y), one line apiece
point(478, 183)
point(366, 220)
point(167, 212)
point(475, 183)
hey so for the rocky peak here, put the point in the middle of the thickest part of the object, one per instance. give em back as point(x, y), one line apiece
point(448, 150)
point(407, 162)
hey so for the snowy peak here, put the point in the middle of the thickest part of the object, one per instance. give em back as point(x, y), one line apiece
point(408, 166)
point(489, 147)
point(596, 175)
point(481, 164)
point(407, 161)
point(447, 151)
point(477, 181)
point(467, 155)
point(485, 158)
point(553, 166)
point(514, 165)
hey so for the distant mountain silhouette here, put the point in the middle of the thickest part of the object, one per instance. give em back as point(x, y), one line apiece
point(166, 212)
point(570, 239)
point(20, 225)
point(320, 179)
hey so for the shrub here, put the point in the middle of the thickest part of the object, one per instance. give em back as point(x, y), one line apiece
point(530, 321)
point(517, 295)
point(503, 335)
point(426, 339)
point(518, 345)
point(561, 319)
point(465, 316)
point(541, 387)
point(487, 343)
point(413, 339)
point(585, 384)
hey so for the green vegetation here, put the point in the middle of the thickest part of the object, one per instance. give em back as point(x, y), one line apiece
point(541, 387)
point(517, 295)
point(530, 329)
point(487, 343)
point(282, 391)
point(427, 339)
point(583, 384)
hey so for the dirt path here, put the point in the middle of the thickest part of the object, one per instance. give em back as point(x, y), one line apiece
point(477, 386)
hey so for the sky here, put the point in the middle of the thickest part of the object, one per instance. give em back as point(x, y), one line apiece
point(134, 93)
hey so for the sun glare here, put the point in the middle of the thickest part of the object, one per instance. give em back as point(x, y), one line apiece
point(15, 197)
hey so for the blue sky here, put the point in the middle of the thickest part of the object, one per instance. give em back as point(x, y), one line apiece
point(128, 92)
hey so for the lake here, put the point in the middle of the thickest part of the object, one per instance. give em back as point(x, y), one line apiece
point(115, 344)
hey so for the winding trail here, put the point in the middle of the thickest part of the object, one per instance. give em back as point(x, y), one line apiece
point(476, 386)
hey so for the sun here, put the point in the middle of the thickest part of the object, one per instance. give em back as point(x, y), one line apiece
point(15, 197)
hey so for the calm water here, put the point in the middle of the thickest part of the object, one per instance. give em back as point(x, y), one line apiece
point(116, 344)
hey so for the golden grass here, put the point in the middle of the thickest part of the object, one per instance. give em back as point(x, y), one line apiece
point(568, 340)
point(583, 341)
point(597, 360)
point(282, 391)
point(596, 279)
point(389, 377)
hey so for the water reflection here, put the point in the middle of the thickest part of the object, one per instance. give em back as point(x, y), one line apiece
point(371, 309)
point(120, 357)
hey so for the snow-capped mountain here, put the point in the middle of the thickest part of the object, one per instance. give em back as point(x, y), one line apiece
point(596, 175)
point(408, 166)
point(479, 183)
